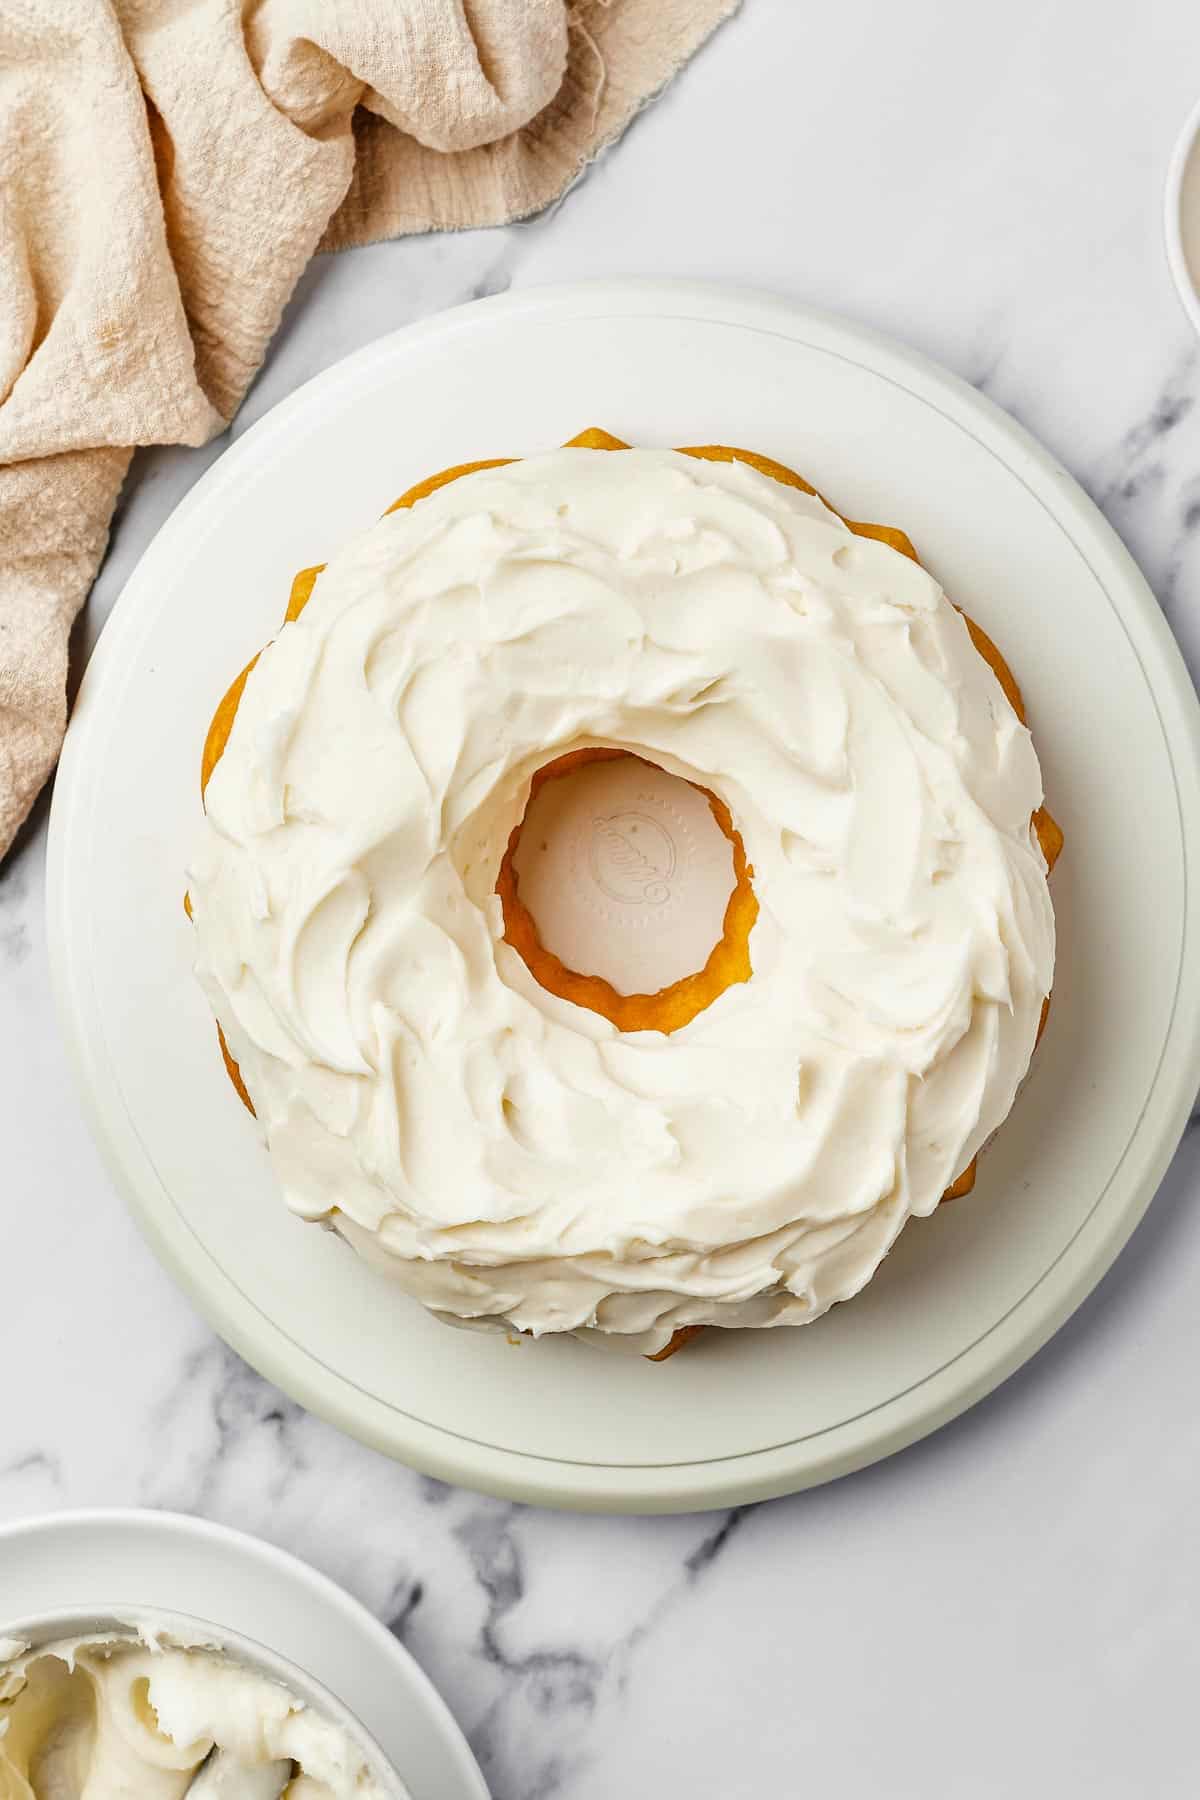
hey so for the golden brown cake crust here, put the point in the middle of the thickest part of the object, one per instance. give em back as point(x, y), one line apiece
point(683, 1336)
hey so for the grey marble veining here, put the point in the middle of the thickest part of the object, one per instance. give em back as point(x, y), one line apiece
point(1008, 1607)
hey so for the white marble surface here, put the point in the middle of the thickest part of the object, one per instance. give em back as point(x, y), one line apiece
point(1009, 1607)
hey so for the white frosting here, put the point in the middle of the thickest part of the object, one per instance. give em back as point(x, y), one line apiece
point(505, 1155)
point(109, 1718)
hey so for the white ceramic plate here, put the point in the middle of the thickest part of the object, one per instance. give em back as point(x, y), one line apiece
point(966, 1296)
point(153, 1562)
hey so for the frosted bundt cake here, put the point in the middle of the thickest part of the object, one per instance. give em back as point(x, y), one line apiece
point(527, 1144)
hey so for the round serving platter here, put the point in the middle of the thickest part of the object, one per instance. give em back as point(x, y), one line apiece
point(967, 1295)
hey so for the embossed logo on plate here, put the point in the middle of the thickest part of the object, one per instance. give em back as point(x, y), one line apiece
point(632, 858)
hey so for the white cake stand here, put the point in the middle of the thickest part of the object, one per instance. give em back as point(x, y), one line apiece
point(967, 1296)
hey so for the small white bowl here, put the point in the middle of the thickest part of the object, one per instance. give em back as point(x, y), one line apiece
point(1182, 216)
point(70, 1565)
point(125, 1622)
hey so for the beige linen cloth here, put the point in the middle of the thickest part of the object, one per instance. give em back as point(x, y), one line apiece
point(167, 168)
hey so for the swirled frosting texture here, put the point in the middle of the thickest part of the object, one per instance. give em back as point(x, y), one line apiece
point(109, 1718)
point(509, 1157)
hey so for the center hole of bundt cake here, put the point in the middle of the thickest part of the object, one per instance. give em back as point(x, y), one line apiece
point(625, 888)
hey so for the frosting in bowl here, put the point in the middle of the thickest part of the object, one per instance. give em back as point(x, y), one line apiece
point(509, 1157)
point(105, 1717)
